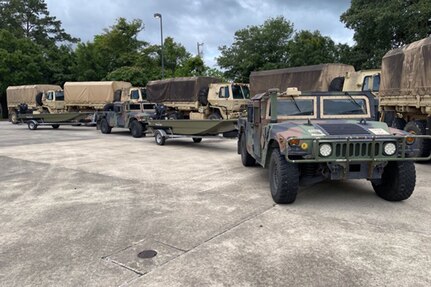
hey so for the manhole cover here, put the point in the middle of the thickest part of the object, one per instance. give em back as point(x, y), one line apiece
point(147, 254)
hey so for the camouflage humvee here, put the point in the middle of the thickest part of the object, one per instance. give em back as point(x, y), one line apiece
point(307, 138)
point(129, 115)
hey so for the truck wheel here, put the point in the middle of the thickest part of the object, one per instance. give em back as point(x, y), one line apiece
point(13, 117)
point(104, 127)
point(160, 139)
point(398, 123)
point(419, 128)
point(136, 129)
point(246, 158)
point(283, 178)
point(56, 126)
point(215, 116)
point(197, 140)
point(32, 125)
point(397, 182)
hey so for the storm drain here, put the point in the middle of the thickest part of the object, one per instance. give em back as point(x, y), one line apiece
point(146, 254)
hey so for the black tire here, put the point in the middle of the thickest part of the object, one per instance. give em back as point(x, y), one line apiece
point(283, 178)
point(104, 126)
point(159, 138)
point(231, 134)
point(13, 117)
point(398, 181)
point(136, 129)
point(246, 158)
point(419, 128)
point(56, 126)
point(336, 84)
point(197, 140)
point(203, 96)
point(215, 116)
point(108, 107)
point(398, 123)
point(32, 125)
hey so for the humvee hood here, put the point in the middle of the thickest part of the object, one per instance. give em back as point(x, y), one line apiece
point(330, 128)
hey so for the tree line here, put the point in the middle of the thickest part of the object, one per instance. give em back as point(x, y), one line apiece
point(34, 48)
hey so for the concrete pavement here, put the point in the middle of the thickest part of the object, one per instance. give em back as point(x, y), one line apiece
point(76, 207)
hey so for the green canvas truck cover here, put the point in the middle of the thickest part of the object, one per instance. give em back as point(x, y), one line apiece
point(406, 71)
point(184, 89)
point(88, 93)
point(27, 94)
point(305, 78)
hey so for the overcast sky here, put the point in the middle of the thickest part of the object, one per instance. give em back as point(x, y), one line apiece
point(212, 22)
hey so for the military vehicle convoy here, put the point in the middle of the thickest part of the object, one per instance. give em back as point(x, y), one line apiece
point(40, 98)
point(405, 91)
point(304, 138)
point(199, 98)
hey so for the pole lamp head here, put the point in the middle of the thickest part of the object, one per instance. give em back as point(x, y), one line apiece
point(158, 15)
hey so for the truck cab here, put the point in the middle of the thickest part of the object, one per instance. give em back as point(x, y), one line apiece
point(304, 138)
point(366, 80)
point(53, 101)
point(229, 99)
point(137, 94)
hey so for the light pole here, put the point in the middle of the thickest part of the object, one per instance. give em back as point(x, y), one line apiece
point(159, 16)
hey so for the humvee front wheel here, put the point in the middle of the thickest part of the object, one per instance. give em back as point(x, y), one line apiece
point(283, 178)
point(246, 158)
point(104, 127)
point(397, 182)
point(159, 137)
point(136, 129)
point(197, 140)
point(55, 126)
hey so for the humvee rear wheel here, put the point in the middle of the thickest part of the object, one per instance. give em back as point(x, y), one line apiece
point(56, 126)
point(136, 129)
point(32, 125)
point(197, 140)
point(397, 182)
point(104, 127)
point(419, 128)
point(246, 158)
point(159, 137)
point(283, 178)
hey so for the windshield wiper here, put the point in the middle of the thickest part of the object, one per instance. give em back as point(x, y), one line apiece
point(354, 101)
point(296, 104)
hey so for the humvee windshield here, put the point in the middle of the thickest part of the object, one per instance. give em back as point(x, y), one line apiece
point(291, 107)
point(348, 106)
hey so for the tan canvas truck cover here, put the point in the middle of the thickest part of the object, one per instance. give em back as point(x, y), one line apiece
point(178, 89)
point(27, 94)
point(306, 78)
point(407, 71)
point(93, 93)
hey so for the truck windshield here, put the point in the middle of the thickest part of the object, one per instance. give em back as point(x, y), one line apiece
point(144, 93)
point(297, 107)
point(240, 92)
point(59, 96)
point(345, 107)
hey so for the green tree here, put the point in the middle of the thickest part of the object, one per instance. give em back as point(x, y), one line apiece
point(175, 56)
point(257, 48)
point(311, 48)
point(380, 25)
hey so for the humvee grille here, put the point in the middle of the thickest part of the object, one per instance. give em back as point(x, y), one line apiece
point(357, 149)
point(343, 129)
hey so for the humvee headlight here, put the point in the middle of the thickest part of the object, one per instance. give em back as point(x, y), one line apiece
point(389, 148)
point(294, 142)
point(410, 140)
point(325, 150)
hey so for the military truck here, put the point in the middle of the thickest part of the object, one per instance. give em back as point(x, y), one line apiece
point(405, 91)
point(199, 98)
point(304, 138)
point(42, 98)
point(322, 78)
point(129, 115)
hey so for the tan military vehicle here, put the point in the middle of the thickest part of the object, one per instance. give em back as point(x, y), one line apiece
point(199, 97)
point(364, 80)
point(405, 91)
point(40, 98)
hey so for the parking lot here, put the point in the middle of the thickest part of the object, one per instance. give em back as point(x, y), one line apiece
point(77, 206)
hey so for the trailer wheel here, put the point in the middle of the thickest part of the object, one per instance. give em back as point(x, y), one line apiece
point(32, 125)
point(136, 129)
point(197, 140)
point(56, 126)
point(398, 181)
point(104, 127)
point(419, 128)
point(159, 137)
point(283, 178)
